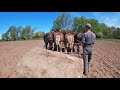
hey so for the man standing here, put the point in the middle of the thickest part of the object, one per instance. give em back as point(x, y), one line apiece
point(88, 41)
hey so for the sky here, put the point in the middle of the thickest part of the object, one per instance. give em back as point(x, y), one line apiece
point(43, 21)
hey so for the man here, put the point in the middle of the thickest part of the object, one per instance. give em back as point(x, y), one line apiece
point(88, 41)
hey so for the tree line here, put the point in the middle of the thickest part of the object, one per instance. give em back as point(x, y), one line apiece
point(66, 22)
point(21, 33)
point(63, 22)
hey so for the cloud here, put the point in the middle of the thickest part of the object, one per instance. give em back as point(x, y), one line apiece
point(109, 18)
point(111, 21)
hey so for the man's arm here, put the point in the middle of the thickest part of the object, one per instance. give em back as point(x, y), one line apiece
point(83, 39)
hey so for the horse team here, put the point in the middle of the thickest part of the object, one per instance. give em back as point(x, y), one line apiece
point(63, 40)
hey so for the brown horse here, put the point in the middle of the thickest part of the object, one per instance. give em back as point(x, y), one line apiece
point(58, 40)
point(70, 41)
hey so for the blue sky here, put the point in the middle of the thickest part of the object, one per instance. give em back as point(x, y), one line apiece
point(43, 21)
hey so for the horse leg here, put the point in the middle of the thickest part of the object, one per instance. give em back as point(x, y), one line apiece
point(57, 45)
point(61, 47)
point(72, 46)
point(78, 49)
point(46, 45)
point(53, 46)
point(67, 49)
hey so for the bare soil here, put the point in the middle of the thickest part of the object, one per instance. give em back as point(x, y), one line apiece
point(31, 59)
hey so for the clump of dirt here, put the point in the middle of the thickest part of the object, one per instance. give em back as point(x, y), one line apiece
point(42, 63)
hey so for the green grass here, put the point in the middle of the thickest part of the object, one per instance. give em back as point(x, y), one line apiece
point(114, 40)
point(2, 41)
point(23, 40)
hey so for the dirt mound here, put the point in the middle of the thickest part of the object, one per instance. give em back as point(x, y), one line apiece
point(42, 63)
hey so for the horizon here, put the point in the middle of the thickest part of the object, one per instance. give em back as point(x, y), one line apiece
point(43, 21)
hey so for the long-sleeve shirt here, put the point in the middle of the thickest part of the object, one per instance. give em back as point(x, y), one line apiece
point(88, 38)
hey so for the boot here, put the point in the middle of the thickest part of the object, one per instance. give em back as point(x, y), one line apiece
point(85, 73)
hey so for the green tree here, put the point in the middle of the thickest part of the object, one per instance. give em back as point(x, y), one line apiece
point(116, 34)
point(5, 36)
point(12, 31)
point(100, 29)
point(32, 32)
point(63, 22)
point(99, 35)
point(95, 25)
point(78, 24)
point(27, 32)
point(38, 35)
point(18, 32)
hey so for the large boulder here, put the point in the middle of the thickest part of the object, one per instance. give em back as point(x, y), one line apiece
point(42, 63)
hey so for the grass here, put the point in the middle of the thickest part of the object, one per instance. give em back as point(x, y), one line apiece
point(23, 40)
point(2, 41)
point(114, 40)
